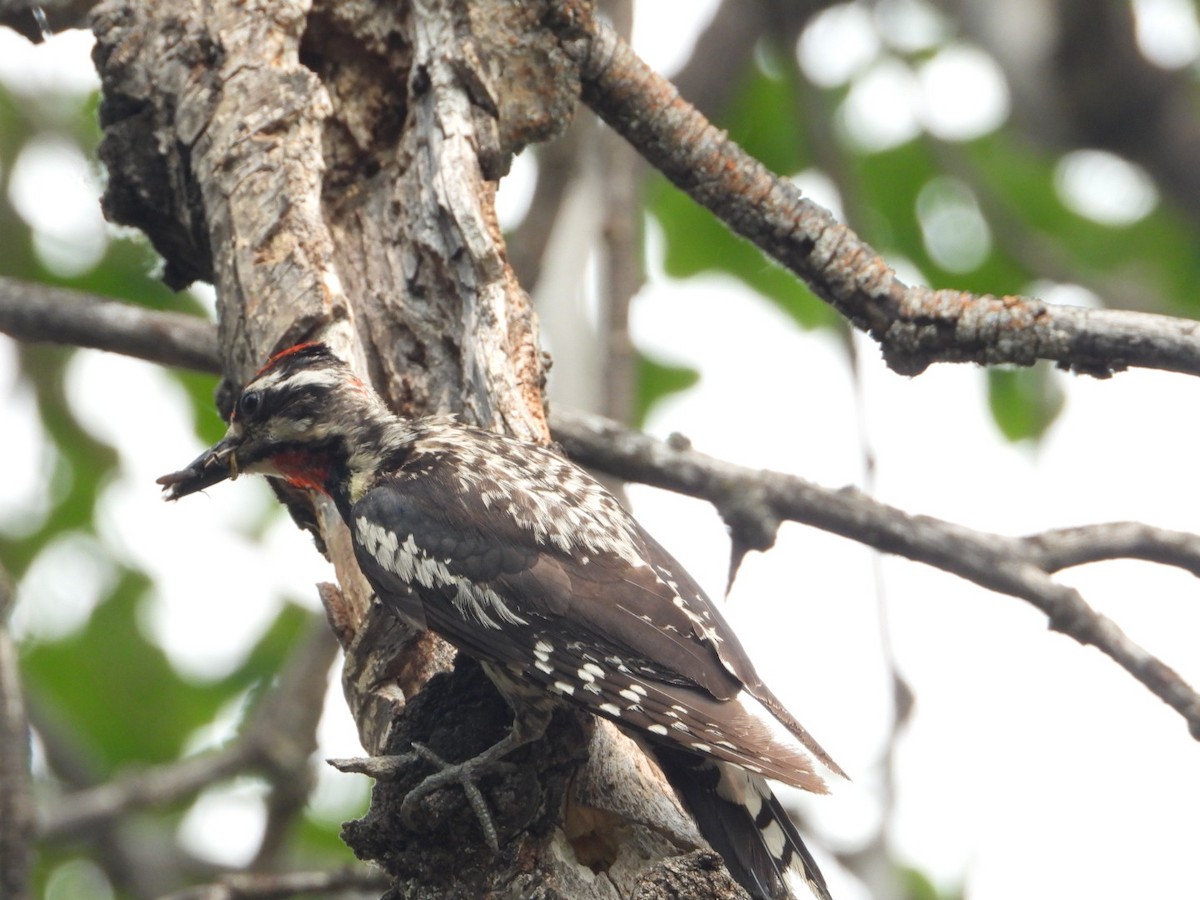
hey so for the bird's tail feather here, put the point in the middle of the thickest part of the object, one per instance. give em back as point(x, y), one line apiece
point(741, 818)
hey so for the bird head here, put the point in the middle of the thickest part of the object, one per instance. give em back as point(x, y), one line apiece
point(297, 419)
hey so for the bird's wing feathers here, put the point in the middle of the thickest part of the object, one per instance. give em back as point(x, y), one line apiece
point(627, 634)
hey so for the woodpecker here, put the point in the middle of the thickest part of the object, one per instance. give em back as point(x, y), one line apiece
point(522, 560)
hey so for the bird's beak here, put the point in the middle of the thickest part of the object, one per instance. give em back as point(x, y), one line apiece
point(213, 466)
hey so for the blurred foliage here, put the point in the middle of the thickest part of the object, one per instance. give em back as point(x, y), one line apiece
point(656, 380)
point(1031, 236)
point(917, 886)
point(106, 696)
point(1024, 402)
point(112, 651)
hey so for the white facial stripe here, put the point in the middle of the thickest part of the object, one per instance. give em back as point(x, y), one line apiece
point(320, 377)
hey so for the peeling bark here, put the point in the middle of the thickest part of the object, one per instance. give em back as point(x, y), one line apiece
point(331, 168)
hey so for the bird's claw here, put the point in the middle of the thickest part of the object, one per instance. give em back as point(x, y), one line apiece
point(466, 774)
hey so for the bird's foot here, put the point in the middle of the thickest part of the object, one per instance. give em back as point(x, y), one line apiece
point(466, 774)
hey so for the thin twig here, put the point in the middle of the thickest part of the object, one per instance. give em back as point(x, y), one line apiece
point(622, 174)
point(81, 810)
point(264, 886)
point(278, 742)
point(915, 326)
point(757, 500)
point(1065, 547)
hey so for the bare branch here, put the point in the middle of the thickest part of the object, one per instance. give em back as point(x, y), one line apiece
point(35, 312)
point(78, 811)
point(1066, 547)
point(16, 795)
point(754, 502)
point(915, 326)
point(141, 865)
point(263, 886)
point(278, 742)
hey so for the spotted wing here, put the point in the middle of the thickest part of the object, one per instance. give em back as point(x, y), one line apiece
point(591, 609)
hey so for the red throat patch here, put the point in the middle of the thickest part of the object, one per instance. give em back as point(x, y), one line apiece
point(303, 470)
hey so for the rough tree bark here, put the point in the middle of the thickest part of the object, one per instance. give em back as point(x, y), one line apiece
point(331, 167)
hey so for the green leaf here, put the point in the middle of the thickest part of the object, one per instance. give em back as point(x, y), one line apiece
point(763, 116)
point(1024, 402)
point(117, 693)
point(656, 380)
point(697, 242)
point(1151, 263)
point(892, 182)
point(917, 886)
point(114, 691)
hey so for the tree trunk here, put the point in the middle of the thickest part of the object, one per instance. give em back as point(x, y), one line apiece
point(331, 168)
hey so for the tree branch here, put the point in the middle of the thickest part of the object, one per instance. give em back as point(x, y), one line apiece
point(758, 500)
point(1065, 547)
point(81, 810)
point(263, 886)
point(16, 794)
point(36, 312)
point(278, 741)
point(754, 502)
point(914, 325)
point(144, 864)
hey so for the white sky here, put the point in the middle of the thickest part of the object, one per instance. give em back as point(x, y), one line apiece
point(1023, 745)
point(1032, 767)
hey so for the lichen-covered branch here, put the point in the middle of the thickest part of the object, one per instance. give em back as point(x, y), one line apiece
point(914, 325)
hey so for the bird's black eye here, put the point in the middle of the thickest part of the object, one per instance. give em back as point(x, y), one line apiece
point(250, 404)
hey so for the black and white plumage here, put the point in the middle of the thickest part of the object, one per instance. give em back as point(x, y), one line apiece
point(521, 559)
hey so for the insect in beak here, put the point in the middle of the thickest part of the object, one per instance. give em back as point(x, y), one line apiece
point(214, 465)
